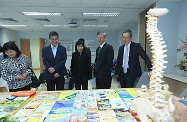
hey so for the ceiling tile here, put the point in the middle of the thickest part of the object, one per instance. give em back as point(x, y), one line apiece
point(94, 2)
point(73, 9)
point(73, 15)
point(70, 10)
point(145, 2)
point(68, 1)
point(113, 2)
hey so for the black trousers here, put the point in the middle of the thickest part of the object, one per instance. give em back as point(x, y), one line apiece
point(81, 80)
point(57, 82)
point(127, 80)
point(28, 87)
point(103, 81)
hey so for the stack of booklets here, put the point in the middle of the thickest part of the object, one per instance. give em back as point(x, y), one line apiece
point(10, 103)
point(80, 106)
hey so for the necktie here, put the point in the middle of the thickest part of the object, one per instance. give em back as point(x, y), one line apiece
point(99, 49)
point(125, 60)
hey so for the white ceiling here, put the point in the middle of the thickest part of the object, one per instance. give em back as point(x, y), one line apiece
point(73, 9)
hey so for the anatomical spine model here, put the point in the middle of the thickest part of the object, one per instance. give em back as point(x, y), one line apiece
point(160, 107)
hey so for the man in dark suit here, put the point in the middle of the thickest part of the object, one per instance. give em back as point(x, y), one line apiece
point(54, 58)
point(128, 65)
point(103, 62)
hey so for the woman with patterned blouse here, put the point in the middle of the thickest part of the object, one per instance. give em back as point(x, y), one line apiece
point(15, 68)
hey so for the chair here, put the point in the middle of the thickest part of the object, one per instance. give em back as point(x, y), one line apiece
point(184, 93)
point(144, 80)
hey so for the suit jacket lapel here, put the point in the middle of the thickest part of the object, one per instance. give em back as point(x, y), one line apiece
point(131, 48)
point(102, 49)
point(58, 48)
point(122, 51)
point(50, 51)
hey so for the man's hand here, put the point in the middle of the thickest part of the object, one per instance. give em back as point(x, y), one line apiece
point(51, 69)
point(149, 73)
point(56, 75)
point(20, 77)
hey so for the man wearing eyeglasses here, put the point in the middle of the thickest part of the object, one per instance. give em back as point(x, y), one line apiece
point(54, 58)
point(128, 65)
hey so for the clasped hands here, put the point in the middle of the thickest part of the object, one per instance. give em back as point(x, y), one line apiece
point(51, 70)
point(22, 77)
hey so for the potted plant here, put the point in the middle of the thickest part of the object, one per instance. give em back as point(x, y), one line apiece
point(183, 61)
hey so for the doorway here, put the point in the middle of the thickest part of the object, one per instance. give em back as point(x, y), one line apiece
point(33, 49)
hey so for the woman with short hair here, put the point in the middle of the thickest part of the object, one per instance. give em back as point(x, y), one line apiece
point(81, 66)
point(15, 68)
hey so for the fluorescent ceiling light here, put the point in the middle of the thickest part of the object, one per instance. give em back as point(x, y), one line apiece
point(56, 25)
point(13, 25)
point(95, 25)
point(100, 14)
point(52, 25)
point(41, 13)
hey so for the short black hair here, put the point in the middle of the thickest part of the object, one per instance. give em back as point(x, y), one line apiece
point(1, 49)
point(53, 33)
point(11, 46)
point(82, 40)
point(79, 42)
point(102, 32)
point(127, 31)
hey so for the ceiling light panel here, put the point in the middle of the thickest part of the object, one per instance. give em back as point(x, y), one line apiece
point(101, 14)
point(52, 25)
point(41, 14)
point(13, 25)
point(95, 25)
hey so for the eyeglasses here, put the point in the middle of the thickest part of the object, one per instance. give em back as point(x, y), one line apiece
point(52, 39)
point(126, 37)
point(9, 52)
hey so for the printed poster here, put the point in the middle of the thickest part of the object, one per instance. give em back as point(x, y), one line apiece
point(68, 45)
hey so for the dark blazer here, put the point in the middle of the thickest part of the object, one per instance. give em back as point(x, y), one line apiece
point(134, 65)
point(104, 61)
point(58, 63)
point(81, 65)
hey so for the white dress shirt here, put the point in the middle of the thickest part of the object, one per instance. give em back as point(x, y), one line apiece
point(102, 45)
point(54, 49)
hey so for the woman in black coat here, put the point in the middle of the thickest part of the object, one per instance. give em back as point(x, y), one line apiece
point(81, 66)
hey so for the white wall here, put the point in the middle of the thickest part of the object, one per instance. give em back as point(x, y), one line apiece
point(7, 35)
point(134, 30)
point(111, 39)
point(168, 25)
point(182, 32)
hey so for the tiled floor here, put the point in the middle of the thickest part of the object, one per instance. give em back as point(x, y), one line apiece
point(42, 87)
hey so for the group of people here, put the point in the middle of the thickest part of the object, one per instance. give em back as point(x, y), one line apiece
point(16, 68)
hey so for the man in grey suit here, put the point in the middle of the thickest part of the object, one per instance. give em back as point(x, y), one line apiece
point(3, 83)
point(103, 62)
